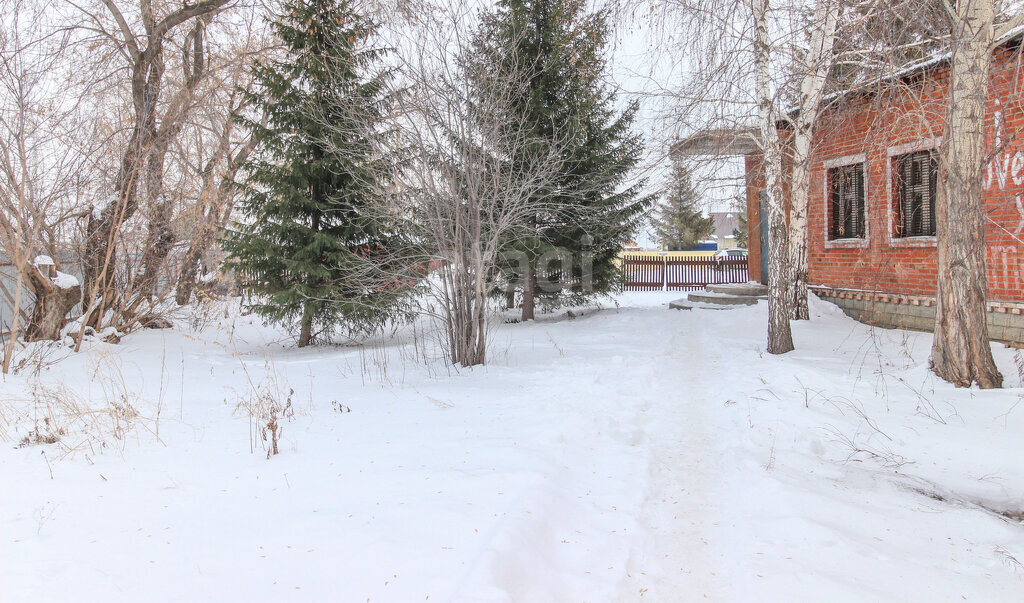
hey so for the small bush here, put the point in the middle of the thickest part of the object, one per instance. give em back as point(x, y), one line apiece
point(266, 405)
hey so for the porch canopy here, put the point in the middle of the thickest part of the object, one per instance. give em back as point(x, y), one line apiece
point(718, 143)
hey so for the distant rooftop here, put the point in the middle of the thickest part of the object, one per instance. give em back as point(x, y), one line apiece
point(720, 142)
point(725, 223)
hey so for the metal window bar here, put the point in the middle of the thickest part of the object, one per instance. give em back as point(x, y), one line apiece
point(847, 188)
point(918, 180)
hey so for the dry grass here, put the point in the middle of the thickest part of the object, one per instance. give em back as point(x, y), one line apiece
point(60, 417)
point(267, 405)
point(55, 415)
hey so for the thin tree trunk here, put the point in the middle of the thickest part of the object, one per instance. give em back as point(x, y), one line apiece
point(816, 64)
point(481, 332)
point(798, 234)
point(961, 352)
point(216, 202)
point(189, 272)
point(780, 337)
point(479, 300)
point(306, 328)
point(448, 299)
point(529, 289)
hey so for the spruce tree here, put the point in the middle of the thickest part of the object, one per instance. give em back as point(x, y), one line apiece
point(307, 253)
point(590, 211)
point(679, 223)
point(740, 232)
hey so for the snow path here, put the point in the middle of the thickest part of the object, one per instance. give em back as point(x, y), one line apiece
point(661, 387)
point(634, 453)
point(679, 509)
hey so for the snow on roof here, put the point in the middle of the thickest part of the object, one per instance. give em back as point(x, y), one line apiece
point(43, 260)
point(64, 280)
point(923, 65)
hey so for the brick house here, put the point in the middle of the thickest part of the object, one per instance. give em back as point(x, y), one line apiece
point(871, 215)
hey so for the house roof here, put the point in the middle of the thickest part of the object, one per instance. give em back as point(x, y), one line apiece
point(1013, 35)
point(725, 222)
point(721, 142)
point(737, 142)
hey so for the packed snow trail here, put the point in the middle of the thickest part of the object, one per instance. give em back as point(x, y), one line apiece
point(676, 555)
point(627, 454)
point(641, 397)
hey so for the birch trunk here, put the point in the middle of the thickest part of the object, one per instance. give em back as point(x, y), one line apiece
point(780, 337)
point(961, 353)
point(815, 67)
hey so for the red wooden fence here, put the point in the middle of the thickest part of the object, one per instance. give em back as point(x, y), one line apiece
point(651, 273)
point(643, 273)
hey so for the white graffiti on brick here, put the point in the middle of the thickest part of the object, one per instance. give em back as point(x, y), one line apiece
point(1004, 268)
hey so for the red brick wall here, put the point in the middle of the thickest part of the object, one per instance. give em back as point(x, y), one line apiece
point(755, 182)
point(911, 116)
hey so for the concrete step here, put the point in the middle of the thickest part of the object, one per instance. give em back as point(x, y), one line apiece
point(683, 304)
point(748, 289)
point(722, 299)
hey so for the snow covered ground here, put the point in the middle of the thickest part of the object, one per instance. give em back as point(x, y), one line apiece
point(628, 453)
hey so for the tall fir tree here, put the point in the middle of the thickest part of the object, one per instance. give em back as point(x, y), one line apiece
point(591, 210)
point(740, 232)
point(679, 224)
point(308, 253)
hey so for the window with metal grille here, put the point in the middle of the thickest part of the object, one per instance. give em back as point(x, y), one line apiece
point(846, 186)
point(916, 179)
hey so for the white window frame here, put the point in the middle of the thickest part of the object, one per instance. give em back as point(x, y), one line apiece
point(891, 153)
point(851, 243)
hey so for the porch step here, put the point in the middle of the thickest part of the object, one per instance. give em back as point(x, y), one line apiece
point(744, 289)
point(722, 299)
point(684, 304)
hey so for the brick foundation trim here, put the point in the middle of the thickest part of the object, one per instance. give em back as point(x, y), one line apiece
point(917, 312)
point(1000, 307)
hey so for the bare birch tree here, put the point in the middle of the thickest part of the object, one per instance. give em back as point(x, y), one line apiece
point(780, 336)
point(961, 352)
point(812, 67)
point(757, 73)
point(459, 198)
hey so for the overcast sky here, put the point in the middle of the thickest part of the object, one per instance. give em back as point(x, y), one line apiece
point(640, 69)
